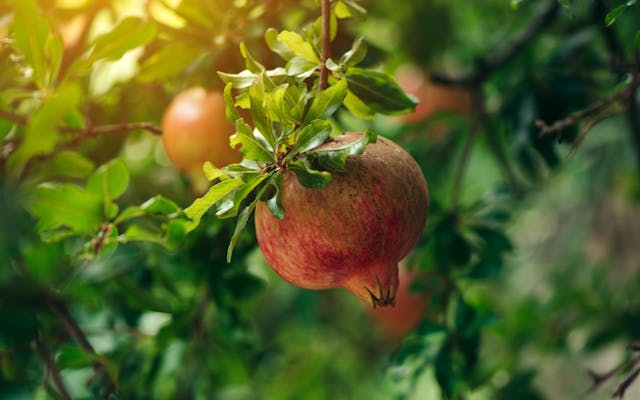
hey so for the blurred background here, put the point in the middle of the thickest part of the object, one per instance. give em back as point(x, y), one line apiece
point(527, 275)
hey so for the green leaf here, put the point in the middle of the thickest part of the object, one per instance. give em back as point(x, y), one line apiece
point(65, 164)
point(202, 204)
point(357, 107)
point(35, 40)
point(327, 102)
point(230, 110)
point(356, 54)
point(138, 233)
point(41, 134)
point(252, 147)
point(335, 159)
point(250, 62)
point(241, 222)
point(310, 137)
point(130, 33)
point(160, 205)
point(274, 203)
point(379, 91)
point(251, 182)
point(212, 172)
point(65, 206)
point(241, 80)
point(110, 180)
point(271, 37)
point(176, 230)
point(73, 357)
point(611, 17)
point(301, 68)
point(298, 46)
point(258, 111)
point(309, 177)
point(128, 213)
point(168, 62)
point(355, 9)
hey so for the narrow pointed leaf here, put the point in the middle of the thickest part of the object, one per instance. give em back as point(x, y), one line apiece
point(202, 204)
point(309, 177)
point(298, 46)
point(335, 159)
point(379, 91)
point(311, 136)
point(327, 101)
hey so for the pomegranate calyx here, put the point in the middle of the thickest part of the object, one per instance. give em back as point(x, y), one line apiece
point(385, 298)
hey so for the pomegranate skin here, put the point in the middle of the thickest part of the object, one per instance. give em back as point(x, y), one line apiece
point(353, 233)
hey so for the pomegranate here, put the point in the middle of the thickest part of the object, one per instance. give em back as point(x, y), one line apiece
point(195, 129)
point(352, 233)
point(433, 99)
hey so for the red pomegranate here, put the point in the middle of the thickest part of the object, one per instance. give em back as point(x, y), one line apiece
point(353, 233)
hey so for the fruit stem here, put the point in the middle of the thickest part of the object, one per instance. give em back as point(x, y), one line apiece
point(326, 42)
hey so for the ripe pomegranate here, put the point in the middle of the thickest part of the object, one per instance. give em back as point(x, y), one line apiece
point(395, 323)
point(353, 233)
point(195, 129)
point(433, 98)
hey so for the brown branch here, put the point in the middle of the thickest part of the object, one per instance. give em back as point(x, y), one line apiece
point(326, 43)
point(502, 56)
point(599, 379)
point(624, 385)
point(593, 110)
point(88, 130)
point(50, 368)
point(59, 309)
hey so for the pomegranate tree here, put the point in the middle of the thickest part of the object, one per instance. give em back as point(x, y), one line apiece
point(353, 233)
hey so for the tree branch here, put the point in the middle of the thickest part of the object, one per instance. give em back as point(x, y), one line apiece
point(326, 43)
point(599, 379)
point(59, 309)
point(50, 368)
point(502, 56)
point(593, 110)
point(88, 130)
point(624, 385)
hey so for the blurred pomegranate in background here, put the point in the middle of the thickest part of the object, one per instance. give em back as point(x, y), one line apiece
point(433, 98)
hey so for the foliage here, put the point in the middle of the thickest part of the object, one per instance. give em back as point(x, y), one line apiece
point(116, 280)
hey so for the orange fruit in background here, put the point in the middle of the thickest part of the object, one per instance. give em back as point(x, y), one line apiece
point(433, 98)
point(195, 129)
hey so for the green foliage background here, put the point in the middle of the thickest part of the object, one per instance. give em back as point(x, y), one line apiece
point(531, 244)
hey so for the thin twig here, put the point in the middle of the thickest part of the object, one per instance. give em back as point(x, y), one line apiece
point(59, 309)
point(50, 368)
point(326, 43)
point(502, 56)
point(624, 385)
point(592, 110)
point(599, 379)
point(88, 129)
